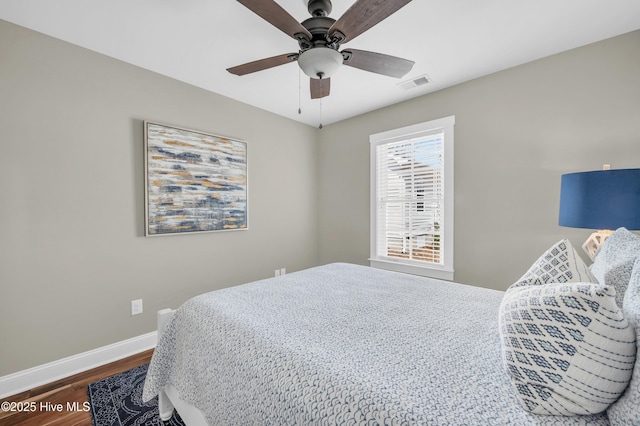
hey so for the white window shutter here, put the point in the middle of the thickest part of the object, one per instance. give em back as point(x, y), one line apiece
point(410, 198)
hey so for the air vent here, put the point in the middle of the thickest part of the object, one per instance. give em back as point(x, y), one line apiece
point(415, 82)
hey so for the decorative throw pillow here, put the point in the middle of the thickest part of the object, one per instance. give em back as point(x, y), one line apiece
point(559, 264)
point(626, 410)
point(566, 346)
point(614, 262)
point(618, 275)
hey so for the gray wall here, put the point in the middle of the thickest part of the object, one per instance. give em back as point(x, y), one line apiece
point(72, 250)
point(516, 133)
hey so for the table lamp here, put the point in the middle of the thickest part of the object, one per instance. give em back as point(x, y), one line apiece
point(604, 200)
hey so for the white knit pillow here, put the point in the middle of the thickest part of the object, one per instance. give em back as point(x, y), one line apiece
point(626, 410)
point(560, 264)
point(614, 262)
point(567, 347)
point(618, 275)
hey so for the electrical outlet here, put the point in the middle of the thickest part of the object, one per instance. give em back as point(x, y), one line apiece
point(277, 272)
point(136, 307)
point(283, 271)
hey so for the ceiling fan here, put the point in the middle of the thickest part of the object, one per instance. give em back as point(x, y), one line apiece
point(320, 37)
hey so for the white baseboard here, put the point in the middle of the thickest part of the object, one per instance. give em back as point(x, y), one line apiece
point(56, 370)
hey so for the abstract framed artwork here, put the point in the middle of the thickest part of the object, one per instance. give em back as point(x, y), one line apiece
point(194, 181)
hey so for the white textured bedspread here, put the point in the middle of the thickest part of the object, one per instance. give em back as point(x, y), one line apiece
point(343, 345)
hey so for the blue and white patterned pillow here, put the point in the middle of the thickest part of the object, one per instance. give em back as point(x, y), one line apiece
point(626, 410)
point(567, 347)
point(560, 264)
point(614, 262)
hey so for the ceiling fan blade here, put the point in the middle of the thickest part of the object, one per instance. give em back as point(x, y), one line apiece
point(378, 63)
point(320, 87)
point(362, 15)
point(263, 64)
point(274, 14)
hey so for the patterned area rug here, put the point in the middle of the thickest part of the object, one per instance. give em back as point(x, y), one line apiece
point(117, 401)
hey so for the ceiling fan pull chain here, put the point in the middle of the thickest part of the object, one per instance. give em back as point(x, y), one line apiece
point(320, 126)
point(299, 92)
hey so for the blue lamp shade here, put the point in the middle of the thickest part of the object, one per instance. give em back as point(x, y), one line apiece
point(603, 199)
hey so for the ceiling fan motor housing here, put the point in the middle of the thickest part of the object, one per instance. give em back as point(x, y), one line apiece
point(319, 7)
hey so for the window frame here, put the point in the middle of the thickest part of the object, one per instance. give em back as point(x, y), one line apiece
point(444, 271)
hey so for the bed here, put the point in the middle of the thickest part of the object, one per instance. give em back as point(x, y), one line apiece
point(340, 344)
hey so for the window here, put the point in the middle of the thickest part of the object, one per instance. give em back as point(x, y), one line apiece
point(412, 199)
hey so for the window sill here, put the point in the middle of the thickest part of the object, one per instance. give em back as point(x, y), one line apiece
point(424, 271)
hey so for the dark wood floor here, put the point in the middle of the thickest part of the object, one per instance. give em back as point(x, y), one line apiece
point(69, 390)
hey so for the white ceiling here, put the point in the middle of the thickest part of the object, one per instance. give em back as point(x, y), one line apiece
point(450, 40)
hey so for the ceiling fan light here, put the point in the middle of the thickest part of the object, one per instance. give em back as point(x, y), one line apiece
point(320, 62)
